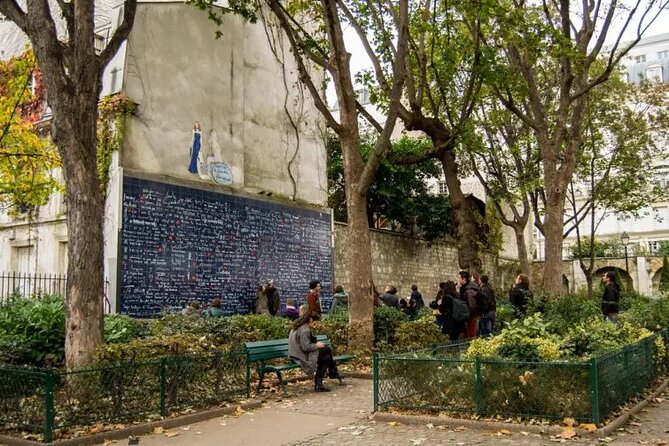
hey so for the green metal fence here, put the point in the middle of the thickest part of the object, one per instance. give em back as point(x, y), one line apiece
point(50, 401)
point(438, 380)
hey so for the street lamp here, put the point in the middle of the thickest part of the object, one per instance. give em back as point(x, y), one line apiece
point(625, 238)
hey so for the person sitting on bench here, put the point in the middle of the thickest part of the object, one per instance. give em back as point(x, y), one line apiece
point(312, 356)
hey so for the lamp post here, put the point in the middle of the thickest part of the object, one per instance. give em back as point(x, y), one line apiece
point(625, 238)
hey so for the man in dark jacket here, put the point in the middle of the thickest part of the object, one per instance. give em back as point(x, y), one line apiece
point(389, 297)
point(273, 299)
point(468, 290)
point(417, 297)
point(611, 296)
point(487, 321)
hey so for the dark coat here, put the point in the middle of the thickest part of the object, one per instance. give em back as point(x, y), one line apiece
point(302, 348)
point(418, 298)
point(390, 300)
point(468, 294)
point(519, 296)
point(490, 293)
point(610, 298)
point(451, 327)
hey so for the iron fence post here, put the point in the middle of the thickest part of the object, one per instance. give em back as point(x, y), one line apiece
point(48, 406)
point(479, 388)
point(163, 388)
point(375, 380)
point(594, 391)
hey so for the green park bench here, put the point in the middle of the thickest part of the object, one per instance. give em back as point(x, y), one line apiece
point(260, 352)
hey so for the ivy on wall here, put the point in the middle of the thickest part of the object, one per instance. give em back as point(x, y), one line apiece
point(113, 111)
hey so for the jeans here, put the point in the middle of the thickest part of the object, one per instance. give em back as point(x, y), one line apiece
point(486, 324)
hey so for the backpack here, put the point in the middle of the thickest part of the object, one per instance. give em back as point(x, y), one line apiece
point(482, 302)
point(460, 310)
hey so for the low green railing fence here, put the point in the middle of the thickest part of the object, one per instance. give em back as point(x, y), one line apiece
point(48, 402)
point(438, 380)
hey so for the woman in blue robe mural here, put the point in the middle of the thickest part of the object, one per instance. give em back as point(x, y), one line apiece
point(195, 149)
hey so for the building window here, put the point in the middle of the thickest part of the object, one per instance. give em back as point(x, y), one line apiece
point(114, 79)
point(654, 74)
point(443, 189)
point(640, 58)
point(663, 54)
point(99, 43)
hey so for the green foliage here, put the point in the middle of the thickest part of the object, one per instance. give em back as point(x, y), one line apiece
point(398, 197)
point(602, 248)
point(112, 113)
point(335, 326)
point(650, 313)
point(413, 335)
point(386, 322)
point(565, 312)
point(32, 331)
point(120, 328)
point(664, 276)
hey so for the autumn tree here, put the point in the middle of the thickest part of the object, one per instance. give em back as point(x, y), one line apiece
point(27, 159)
point(552, 48)
point(72, 72)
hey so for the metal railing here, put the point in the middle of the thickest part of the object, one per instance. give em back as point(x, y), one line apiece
point(48, 402)
point(15, 284)
point(434, 380)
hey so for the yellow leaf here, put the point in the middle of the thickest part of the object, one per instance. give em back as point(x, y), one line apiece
point(171, 434)
point(393, 423)
point(569, 422)
point(158, 430)
point(238, 411)
point(568, 432)
point(505, 432)
point(589, 427)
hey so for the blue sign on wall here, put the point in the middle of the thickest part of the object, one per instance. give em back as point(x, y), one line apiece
point(180, 244)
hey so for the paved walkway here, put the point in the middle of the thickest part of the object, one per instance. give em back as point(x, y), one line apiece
point(341, 418)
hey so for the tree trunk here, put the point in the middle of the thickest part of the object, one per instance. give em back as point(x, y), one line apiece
point(74, 134)
point(523, 257)
point(463, 217)
point(553, 230)
point(358, 259)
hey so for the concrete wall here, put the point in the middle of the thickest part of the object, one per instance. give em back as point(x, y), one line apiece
point(235, 88)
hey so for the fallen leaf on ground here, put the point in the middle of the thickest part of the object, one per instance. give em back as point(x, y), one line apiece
point(185, 428)
point(660, 442)
point(108, 442)
point(158, 430)
point(239, 411)
point(429, 426)
point(590, 427)
point(568, 432)
point(418, 441)
point(171, 434)
point(393, 423)
point(569, 422)
point(504, 432)
point(525, 434)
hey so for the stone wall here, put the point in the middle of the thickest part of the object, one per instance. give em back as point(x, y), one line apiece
point(401, 261)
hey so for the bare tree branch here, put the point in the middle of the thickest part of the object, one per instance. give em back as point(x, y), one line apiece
point(120, 35)
point(13, 12)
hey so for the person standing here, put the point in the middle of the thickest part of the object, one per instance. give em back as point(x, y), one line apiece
point(417, 297)
point(314, 297)
point(313, 356)
point(610, 297)
point(487, 321)
point(261, 301)
point(436, 304)
point(273, 299)
point(390, 298)
point(450, 327)
point(468, 290)
point(339, 300)
point(520, 295)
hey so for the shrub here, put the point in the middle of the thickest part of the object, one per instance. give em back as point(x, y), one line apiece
point(120, 328)
point(652, 314)
point(335, 327)
point(566, 312)
point(413, 335)
point(32, 331)
point(386, 321)
point(154, 348)
point(664, 276)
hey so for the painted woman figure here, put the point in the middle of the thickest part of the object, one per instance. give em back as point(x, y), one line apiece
point(195, 150)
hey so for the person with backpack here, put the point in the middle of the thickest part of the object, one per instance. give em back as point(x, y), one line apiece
point(454, 312)
point(436, 304)
point(489, 307)
point(468, 290)
point(520, 295)
point(416, 297)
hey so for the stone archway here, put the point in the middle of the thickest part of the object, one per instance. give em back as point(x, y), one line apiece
point(625, 277)
point(655, 282)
